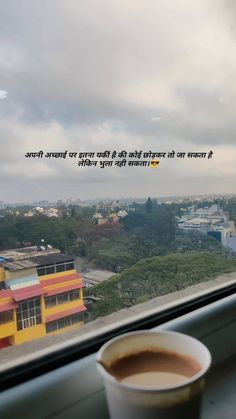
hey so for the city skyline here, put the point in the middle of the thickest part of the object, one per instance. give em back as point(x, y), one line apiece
point(119, 76)
point(121, 199)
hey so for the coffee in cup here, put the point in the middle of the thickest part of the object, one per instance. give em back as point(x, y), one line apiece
point(154, 375)
point(154, 368)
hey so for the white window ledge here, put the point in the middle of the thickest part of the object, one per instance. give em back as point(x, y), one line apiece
point(14, 356)
point(76, 390)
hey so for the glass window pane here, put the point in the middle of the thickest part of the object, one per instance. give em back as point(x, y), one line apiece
point(60, 299)
point(41, 271)
point(50, 301)
point(60, 268)
point(19, 325)
point(25, 314)
point(60, 323)
point(50, 327)
point(72, 296)
point(65, 298)
point(37, 311)
point(37, 302)
point(50, 270)
point(18, 315)
point(47, 302)
point(76, 294)
point(25, 323)
point(2, 285)
point(31, 312)
point(31, 304)
point(24, 306)
point(69, 266)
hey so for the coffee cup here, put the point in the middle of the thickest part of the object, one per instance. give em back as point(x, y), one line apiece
point(154, 375)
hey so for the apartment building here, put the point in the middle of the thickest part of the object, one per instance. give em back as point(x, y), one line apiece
point(40, 293)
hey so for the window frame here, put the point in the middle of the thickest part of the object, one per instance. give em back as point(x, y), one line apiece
point(60, 298)
point(62, 323)
point(64, 354)
point(57, 267)
point(31, 307)
point(214, 325)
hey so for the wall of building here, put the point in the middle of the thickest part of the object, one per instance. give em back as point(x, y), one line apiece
point(66, 329)
point(63, 307)
point(9, 330)
point(31, 333)
point(2, 274)
point(21, 273)
point(57, 275)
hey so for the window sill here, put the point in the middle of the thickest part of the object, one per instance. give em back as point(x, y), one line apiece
point(76, 390)
point(73, 345)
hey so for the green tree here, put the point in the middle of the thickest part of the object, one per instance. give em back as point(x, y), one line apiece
point(157, 276)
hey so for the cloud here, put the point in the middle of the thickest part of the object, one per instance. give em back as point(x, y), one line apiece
point(155, 118)
point(3, 94)
point(116, 75)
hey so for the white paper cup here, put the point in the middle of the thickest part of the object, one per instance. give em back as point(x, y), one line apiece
point(129, 401)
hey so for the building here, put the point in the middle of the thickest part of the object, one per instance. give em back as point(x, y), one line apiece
point(40, 294)
point(231, 242)
point(96, 276)
point(212, 221)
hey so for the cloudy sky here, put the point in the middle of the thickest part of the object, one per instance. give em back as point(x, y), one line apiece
point(101, 75)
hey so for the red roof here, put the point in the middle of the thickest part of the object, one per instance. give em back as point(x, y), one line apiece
point(60, 279)
point(27, 292)
point(64, 289)
point(8, 306)
point(65, 313)
point(5, 293)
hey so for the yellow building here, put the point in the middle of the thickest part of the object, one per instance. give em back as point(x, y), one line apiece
point(40, 294)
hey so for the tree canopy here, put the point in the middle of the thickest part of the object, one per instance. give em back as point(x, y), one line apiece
point(156, 276)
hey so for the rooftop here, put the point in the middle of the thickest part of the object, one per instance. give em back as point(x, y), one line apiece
point(26, 252)
point(30, 257)
point(46, 259)
point(97, 276)
point(16, 266)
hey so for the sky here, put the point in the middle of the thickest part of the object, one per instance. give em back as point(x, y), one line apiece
point(96, 75)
